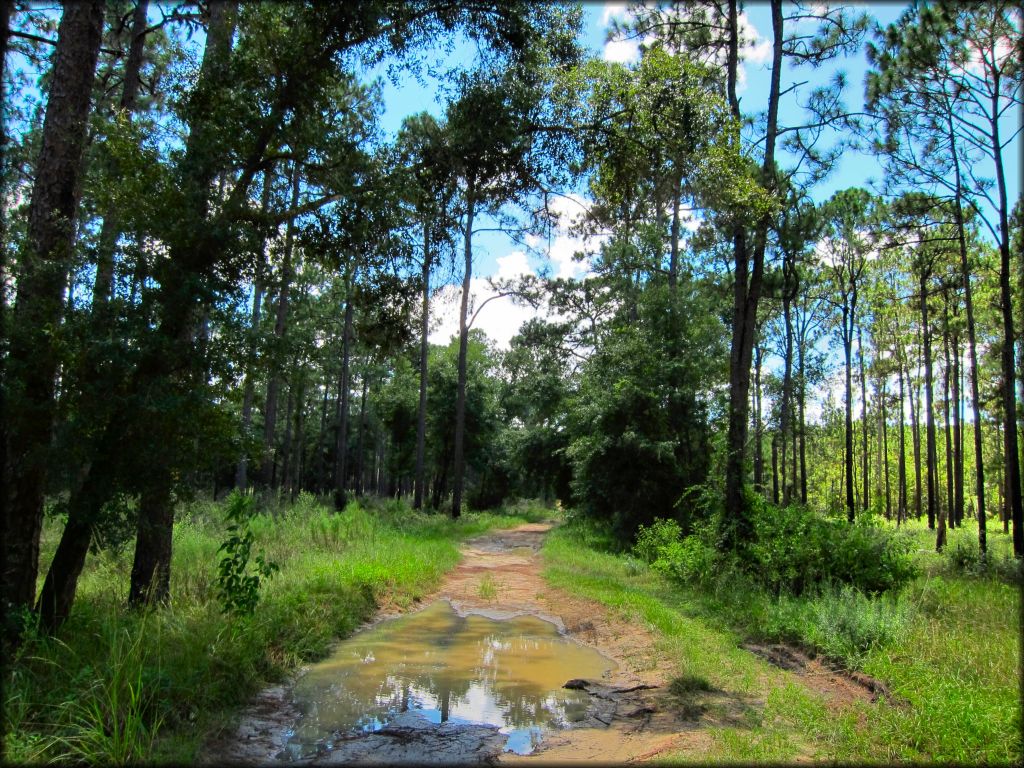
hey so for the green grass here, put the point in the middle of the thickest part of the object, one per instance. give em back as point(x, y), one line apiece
point(947, 646)
point(488, 589)
point(117, 686)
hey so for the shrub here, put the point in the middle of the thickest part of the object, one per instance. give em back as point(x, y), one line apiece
point(652, 539)
point(238, 585)
point(794, 548)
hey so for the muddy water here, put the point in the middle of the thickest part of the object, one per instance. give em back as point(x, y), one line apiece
point(438, 667)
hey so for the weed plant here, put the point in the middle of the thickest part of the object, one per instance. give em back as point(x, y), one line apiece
point(117, 687)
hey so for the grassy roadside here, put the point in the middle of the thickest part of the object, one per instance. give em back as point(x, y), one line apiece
point(947, 646)
point(118, 687)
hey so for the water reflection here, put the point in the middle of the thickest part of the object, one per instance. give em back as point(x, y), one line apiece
point(445, 667)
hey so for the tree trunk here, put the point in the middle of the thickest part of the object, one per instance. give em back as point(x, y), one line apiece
point(1011, 457)
point(965, 277)
point(103, 287)
point(801, 397)
point(421, 412)
point(747, 288)
point(885, 455)
point(85, 503)
point(360, 454)
point(958, 433)
point(673, 262)
point(241, 469)
point(865, 458)
point(785, 417)
point(947, 397)
point(848, 433)
point(170, 367)
point(915, 428)
point(775, 468)
point(758, 432)
point(901, 506)
point(151, 568)
point(33, 356)
point(267, 468)
point(341, 449)
point(460, 399)
point(286, 447)
point(932, 459)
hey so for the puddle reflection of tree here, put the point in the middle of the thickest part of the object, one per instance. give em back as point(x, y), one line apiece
point(450, 667)
point(478, 689)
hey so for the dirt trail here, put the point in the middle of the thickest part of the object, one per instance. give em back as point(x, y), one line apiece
point(634, 715)
point(630, 718)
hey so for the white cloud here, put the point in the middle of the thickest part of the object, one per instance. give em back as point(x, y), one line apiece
point(621, 51)
point(500, 319)
point(612, 10)
point(756, 48)
point(513, 265)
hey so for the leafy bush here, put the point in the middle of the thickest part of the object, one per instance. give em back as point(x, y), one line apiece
point(794, 548)
point(652, 539)
point(966, 559)
point(238, 586)
point(686, 559)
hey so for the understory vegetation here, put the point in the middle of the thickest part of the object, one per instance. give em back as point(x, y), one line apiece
point(946, 644)
point(118, 687)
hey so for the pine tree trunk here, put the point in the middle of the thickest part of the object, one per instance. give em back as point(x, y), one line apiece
point(269, 465)
point(1011, 456)
point(460, 398)
point(341, 449)
point(958, 433)
point(901, 505)
point(241, 469)
point(758, 433)
point(915, 427)
point(848, 432)
point(885, 457)
point(785, 414)
point(360, 453)
point(865, 458)
point(932, 458)
point(947, 397)
point(421, 411)
point(801, 397)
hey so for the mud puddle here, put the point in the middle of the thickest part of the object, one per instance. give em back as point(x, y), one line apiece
point(489, 683)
